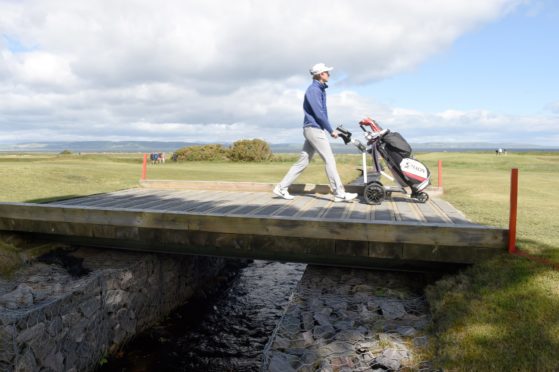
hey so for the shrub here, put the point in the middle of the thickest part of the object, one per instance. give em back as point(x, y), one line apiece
point(66, 152)
point(250, 150)
point(203, 152)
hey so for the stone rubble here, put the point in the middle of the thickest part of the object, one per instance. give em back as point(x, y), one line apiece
point(51, 321)
point(351, 320)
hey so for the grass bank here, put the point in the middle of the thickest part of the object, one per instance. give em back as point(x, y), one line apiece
point(502, 314)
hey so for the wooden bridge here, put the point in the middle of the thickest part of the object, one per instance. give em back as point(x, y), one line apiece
point(247, 220)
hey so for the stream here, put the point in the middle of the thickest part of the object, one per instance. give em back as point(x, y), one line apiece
point(225, 332)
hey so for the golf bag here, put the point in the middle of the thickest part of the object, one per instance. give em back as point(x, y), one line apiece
point(397, 153)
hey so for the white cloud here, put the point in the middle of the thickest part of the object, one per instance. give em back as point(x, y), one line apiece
point(219, 70)
point(132, 41)
point(39, 70)
point(475, 126)
point(271, 111)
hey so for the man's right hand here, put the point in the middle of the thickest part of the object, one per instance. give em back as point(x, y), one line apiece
point(334, 134)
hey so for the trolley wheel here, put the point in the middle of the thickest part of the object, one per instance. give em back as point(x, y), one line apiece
point(374, 193)
point(422, 197)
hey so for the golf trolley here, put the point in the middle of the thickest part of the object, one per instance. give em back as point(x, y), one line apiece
point(397, 154)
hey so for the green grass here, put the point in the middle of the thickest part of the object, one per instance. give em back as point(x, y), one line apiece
point(479, 185)
point(502, 314)
point(43, 177)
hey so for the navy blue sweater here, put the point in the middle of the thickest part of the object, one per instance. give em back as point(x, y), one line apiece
point(316, 114)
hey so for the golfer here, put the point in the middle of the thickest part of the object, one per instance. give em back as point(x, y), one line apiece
point(315, 126)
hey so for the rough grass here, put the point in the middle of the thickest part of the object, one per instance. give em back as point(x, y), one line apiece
point(502, 314)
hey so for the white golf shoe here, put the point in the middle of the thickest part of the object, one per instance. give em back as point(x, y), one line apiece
point(283, 193)
point(346, 197)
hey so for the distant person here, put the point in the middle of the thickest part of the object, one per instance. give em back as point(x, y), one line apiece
point(163, 157)
point(315, 124)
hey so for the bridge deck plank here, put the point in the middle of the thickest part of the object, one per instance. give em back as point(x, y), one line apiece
point(260, 225)
point(265, 204)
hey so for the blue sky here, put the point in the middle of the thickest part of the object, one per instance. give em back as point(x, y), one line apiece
point(185, 70)
point(509, 66)
point(13, 44)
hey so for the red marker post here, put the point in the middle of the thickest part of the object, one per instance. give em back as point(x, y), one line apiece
point(145, 167)
point(512, 225)
point(513, 209)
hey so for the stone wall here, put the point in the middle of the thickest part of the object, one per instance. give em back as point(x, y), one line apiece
point(342, 319)
point(52, 321)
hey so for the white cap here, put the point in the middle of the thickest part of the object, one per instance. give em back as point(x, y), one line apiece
point(319, 68)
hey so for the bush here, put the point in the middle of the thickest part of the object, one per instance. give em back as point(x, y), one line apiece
point(66, 152)
point(250, 150)
point(197, 153)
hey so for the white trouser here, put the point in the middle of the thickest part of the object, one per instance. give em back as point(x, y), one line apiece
point(315, 141)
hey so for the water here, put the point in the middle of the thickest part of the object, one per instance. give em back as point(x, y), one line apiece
point(226, 333)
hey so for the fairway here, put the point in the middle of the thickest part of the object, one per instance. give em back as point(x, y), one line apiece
point(42, 177)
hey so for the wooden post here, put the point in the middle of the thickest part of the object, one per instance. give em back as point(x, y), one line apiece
point(144, 167)
point(440, 181)
point(513, 209)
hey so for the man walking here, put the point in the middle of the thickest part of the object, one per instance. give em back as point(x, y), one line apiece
point(314, 126)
